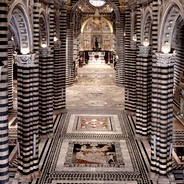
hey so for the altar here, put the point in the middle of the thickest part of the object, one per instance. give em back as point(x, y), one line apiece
point(96, 55)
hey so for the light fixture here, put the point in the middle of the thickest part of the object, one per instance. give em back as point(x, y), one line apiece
point(96, 17)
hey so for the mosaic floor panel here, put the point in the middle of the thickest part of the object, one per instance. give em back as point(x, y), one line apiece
point(88, 155)
point(93, 123)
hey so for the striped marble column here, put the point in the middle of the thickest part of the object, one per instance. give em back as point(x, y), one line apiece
point(120, 70)
point(130, 65)
point(45, 92)
point(59, 79)
point(28, 107)
point(69, 58)
point(162, 114)
point(10, 75)
point(4, 149)
point(60, 66)
point(143, 91)
point(27, 116)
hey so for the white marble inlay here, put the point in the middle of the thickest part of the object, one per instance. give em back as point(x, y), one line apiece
point(64, 150)
point(116, 129)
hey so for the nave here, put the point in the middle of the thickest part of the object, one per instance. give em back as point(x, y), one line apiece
point(94, 141)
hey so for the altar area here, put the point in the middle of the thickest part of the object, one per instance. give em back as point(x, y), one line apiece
point(96, 57)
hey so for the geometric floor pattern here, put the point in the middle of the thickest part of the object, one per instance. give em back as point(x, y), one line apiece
point(102, 157)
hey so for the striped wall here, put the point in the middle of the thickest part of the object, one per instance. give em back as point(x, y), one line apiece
point(130, 66)
point(4, 149)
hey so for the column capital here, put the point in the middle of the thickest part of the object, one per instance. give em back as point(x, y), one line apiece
point(165, 59)
point(45, 52)
point(57, 44)
point(25, 60)
point(144, 51)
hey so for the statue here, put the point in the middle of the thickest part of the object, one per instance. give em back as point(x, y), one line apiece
point(96, 43)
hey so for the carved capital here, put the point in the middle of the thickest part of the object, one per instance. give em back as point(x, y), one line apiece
point(26, 60)
point(45, 52)
point(144, 51)
point(165, 59)
point(57, 44)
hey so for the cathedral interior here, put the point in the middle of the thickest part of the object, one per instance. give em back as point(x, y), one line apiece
point(91, 91)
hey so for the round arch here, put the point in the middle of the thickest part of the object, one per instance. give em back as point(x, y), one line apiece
point(172, 12)
point(91, 18)
point(20, 27)
point(146, 27)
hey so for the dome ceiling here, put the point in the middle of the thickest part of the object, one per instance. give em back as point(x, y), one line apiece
point(89, 6)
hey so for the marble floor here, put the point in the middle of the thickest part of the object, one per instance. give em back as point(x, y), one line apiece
point(94, 142)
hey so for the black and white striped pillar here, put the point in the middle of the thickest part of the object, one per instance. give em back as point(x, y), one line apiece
point(60, 66)
point(28, 106)
point(130, 65)
point(120, 51)
point(143, 91)
point(4, 149)
point(162, 114)
point(27, 117)
point(69, 58)
point(45, 92)
point(10, 75)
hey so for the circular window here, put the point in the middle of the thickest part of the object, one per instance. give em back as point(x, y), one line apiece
point(97, 3)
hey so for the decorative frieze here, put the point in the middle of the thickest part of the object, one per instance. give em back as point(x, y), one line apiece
point(45, 52)
point(25, 60)
point(144, 51)
point(165, 59)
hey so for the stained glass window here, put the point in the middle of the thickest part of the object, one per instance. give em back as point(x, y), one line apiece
point(97, 3)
